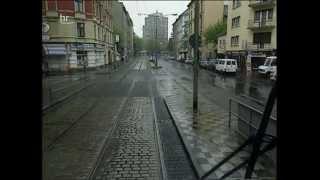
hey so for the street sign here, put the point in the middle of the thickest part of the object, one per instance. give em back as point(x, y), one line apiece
point(192, 40)
point(45, 27)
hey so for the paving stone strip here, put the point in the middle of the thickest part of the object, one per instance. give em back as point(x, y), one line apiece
point(132, 152)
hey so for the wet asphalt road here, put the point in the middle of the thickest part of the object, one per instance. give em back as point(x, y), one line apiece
point(94, 129)
point(251, 89)
point(108, 131)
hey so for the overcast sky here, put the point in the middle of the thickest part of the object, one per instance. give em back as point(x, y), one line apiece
point(148, 7)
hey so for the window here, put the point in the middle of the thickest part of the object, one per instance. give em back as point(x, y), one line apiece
point(100, 12)
point(236, 4)
point(95, 31)
point(263, 15)
point(262, 38)
point(235, 41)
point(80, 29)
point(79, 5)
point(257, 16)
point(82, 58)
point(98, 33)
point(233, 62)
point(228, 62)
point(236, 22)
point(270, 12)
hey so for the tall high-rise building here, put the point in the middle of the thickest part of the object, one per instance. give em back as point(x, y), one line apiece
point(156, 28)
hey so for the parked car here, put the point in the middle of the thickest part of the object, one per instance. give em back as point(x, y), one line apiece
point(269, 66)
point(227, 65)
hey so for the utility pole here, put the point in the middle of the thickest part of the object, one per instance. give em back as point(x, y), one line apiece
point(155, 42)
point(196, 64)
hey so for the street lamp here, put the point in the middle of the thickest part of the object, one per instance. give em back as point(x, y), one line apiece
point(156, 33)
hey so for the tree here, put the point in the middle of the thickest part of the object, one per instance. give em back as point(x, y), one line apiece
point(151, 45)
point(213, 31)
point(138, 44)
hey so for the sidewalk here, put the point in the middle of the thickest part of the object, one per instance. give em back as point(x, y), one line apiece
point(212, 140)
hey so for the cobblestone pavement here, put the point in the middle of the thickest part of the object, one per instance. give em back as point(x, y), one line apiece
point(213, 140)
point(132, 152)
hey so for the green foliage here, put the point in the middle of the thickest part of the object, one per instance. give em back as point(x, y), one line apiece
point(151, 45)
point(212, 32)
point(138, 44)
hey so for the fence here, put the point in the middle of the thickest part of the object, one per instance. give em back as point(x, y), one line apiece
point(247, 122)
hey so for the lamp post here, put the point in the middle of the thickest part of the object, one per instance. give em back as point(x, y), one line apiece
point(156, 30)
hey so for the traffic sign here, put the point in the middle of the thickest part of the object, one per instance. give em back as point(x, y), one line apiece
point(192, 40)
point(45, 27)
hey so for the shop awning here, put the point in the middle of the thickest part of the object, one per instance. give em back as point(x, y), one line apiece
point(55, 49)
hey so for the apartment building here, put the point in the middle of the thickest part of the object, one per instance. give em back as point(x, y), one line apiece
point(251, 32)
point(210, 13)
point(180, 35)
point(221, 46)
point(156, 27)
point(124, 28)
point(79, 33)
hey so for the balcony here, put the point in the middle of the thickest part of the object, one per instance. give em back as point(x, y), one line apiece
point(259, 46)
point(261, 3)
point(261, 24)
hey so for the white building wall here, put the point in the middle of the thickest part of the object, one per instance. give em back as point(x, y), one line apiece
point(73, 60)
point(91, 59)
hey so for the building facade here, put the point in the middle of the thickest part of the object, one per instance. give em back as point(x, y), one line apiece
point(156, 28)
point(123, 27)
point(79, 34)
point(180, 35)
point(251, 32)
point(221, 46)
point(210, 12)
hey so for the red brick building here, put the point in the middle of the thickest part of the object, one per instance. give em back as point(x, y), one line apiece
point(80, 33)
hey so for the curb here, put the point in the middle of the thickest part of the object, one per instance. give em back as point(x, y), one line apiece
point(194, 166)
point(157, 134)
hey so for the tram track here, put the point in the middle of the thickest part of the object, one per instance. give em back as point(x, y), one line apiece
point(83, 114)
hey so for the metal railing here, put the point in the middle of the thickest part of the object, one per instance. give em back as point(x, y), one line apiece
point(251, 122)
point(258, 46)
point(256, 3)
point(266, 23)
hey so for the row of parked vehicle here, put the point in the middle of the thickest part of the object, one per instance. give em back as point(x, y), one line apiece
point(268, 69)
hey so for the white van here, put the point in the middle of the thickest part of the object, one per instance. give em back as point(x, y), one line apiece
point(226, 65)
point(269, 66)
